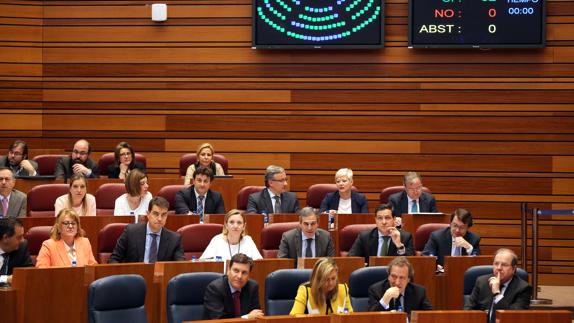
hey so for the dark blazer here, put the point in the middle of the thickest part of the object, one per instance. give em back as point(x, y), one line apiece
point(261, 202)
point(64, 168)
point(18, 258)
point(516, 296)
point(290, 246)
point(131, 245)
point(358, 202)
point(218, 302)
point(439, 244)
point(367, 243)
point(415, 298)
point(16, 205)
point(399, 201)
point(186, 200)
point(114, 170)
point(4, 162)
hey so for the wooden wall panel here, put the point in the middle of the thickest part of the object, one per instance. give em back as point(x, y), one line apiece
point(488, 129)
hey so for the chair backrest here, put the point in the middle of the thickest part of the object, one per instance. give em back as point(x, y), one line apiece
point(187, 159)
point(47, 163)
point(35, 236)
point(360, 281)
point(388, 191)
point(108, 159)
point(185, 296)
point(316, 193)
point(117, 299)
point(243, 195)
point(196, 237)
point(271, 237)
point(423, 233)
point(349, 234)
point(107, 239)
point(106, 196)
point(281, 288)
point(41, 198)
point(168, 192)
point(472, 273)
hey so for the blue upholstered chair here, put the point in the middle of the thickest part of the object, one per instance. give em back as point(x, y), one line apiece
point(117, 299)
point(185, 296)
point(360, 281)
point(472, 273)
point(281, 288)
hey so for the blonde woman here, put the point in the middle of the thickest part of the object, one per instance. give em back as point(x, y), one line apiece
point(232, 240)
point(77, 199)
point(322, 294)
point(66, 246)
point(205, 154)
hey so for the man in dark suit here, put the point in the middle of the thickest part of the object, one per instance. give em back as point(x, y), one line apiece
point(501, 290)
point(17, 160)
point(149, 242)
point(308, 240)
point(274, 198)
point(12, 202)
point(13, 249)
point(385, 239)
point(397, 292)
point(234, 294)
point(456, 240)
point(78, 162)
point(198, 198)
point(412, 199)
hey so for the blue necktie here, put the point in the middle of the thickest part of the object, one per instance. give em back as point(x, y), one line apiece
point(153, 248)
point(415, 207)
point(200, 207)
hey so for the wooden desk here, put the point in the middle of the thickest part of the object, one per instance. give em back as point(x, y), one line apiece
point(453, 279)
point(54, 294)
point(293, 319)
point(346, 265)
point(233, 320)
point(228, 187)
point(533, 316)
point(448, 316)
point(424, 268)
point(8, 304)
point(369, 317)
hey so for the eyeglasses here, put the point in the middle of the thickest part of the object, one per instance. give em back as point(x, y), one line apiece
point(69, 223)
point(455, 226)
point(125, 154)
point(415, 189)
point(81, 153)
point(17, 153)
point(284, 180)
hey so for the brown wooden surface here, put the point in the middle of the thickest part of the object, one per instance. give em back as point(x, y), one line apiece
point(369, 317)
point(346, 265)
point(291, 319)
point(424, 268)
point(233, 320)
point(453, 279)
point(533, 316)
point(8, 304)
point(50, 292)
point(411, 222)
point(448, 316)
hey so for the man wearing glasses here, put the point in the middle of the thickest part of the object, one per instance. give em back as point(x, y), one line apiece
point(455, 240)
point(78, 162)
point(17, 160)
point(274, 198)
point(308, 240)
point(412, 199)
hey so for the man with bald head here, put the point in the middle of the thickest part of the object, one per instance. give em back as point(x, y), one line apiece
point(78, 162)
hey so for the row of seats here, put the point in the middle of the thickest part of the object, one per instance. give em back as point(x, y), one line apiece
point(41, 198)
point(107, 304)
point(196, 237)
point(47, 163)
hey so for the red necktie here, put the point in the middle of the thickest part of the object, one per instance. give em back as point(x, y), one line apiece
point(237, 303)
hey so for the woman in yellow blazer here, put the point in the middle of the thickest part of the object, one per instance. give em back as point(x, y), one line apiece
point(66, 246)
point(322, 294)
